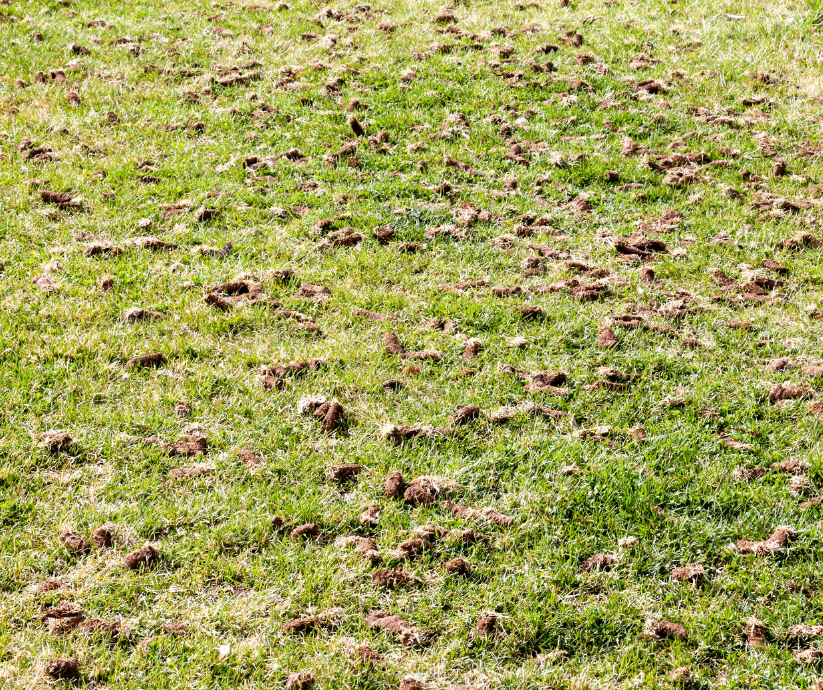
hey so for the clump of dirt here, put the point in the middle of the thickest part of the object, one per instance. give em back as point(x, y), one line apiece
point(693, 573)
point(102, 537)
point(74, 542)
point(373, 315)
point(44, 282)
point(144, 556)
point(542, 382)
point(192, 471)
point(469, 537)
point(300, 680)
point(56, 441)
point(370, 516)
point(332, 416)
point(46, 586)
point(155, 359)
point(301, 625)
point(790, 466)
point(600, 561)
point(531, 311)
point(682, 677)
point(394, 625)
point(755, 633)
point(392, 579)
point(462, 287)
point(395, 484)
point(65, 669)
point(776, 543)
point(661, 630)
point(393, 345)
point(408, 548)
point(369, 656)
point(63, 618)
point(775, 266)
point(218, 302)
point(466, 513)
point(399, 434)
point(466, 414)
point(471, 349)
point(194, 445)
point(803, 631)
point(457, 566)
point(366, 548)
point(384, 234)
point(154, 243)
point(273, 376)
point(431, 532)
point(251, 461)
point(425, 490)
point(59, 199)
point(308, 530)
point(344, 473)
point(788, 391)
point(101, 249)
point(330, 413)
point(136, 314)
point(410, 684)
point(808, 656)
point(97, 626)
point(486, 625)
point(309, 291)
point(606, 338)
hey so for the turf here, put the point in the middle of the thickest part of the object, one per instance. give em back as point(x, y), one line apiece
point(489, 135)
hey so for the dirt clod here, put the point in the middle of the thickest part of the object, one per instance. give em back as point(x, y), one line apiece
point(600, 561)
point(102, 537)
point(774, 544)
point(333, 417)
point(56, 441)
point(300, 680)
point(755, 633)
point(366, 548)
point(66, 669)
point(466, 414)
point(251, 461)
point(472, 349)
point(195, 470)
point(395, 484)
point(410, 684)
point(155, 359)
point(667, 630)
point(308, 530)
point(788, 391)
point(344, 473)
point(301, 625)
point(144, 556)
point(409, 548)
point(193, 446)
point(394, 625)
point(97, 626)
point(392, 579)
point(369, 656)
point(456, 566)
point(688, 573)
point(486, 625)
point(74, 542)
point(606, 338)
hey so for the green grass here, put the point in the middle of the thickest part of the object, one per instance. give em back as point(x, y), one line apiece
point(222, 568)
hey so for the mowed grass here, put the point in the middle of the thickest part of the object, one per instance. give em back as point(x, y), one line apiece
point(148, 101)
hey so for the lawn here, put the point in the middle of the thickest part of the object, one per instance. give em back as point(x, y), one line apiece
point(395, 345)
